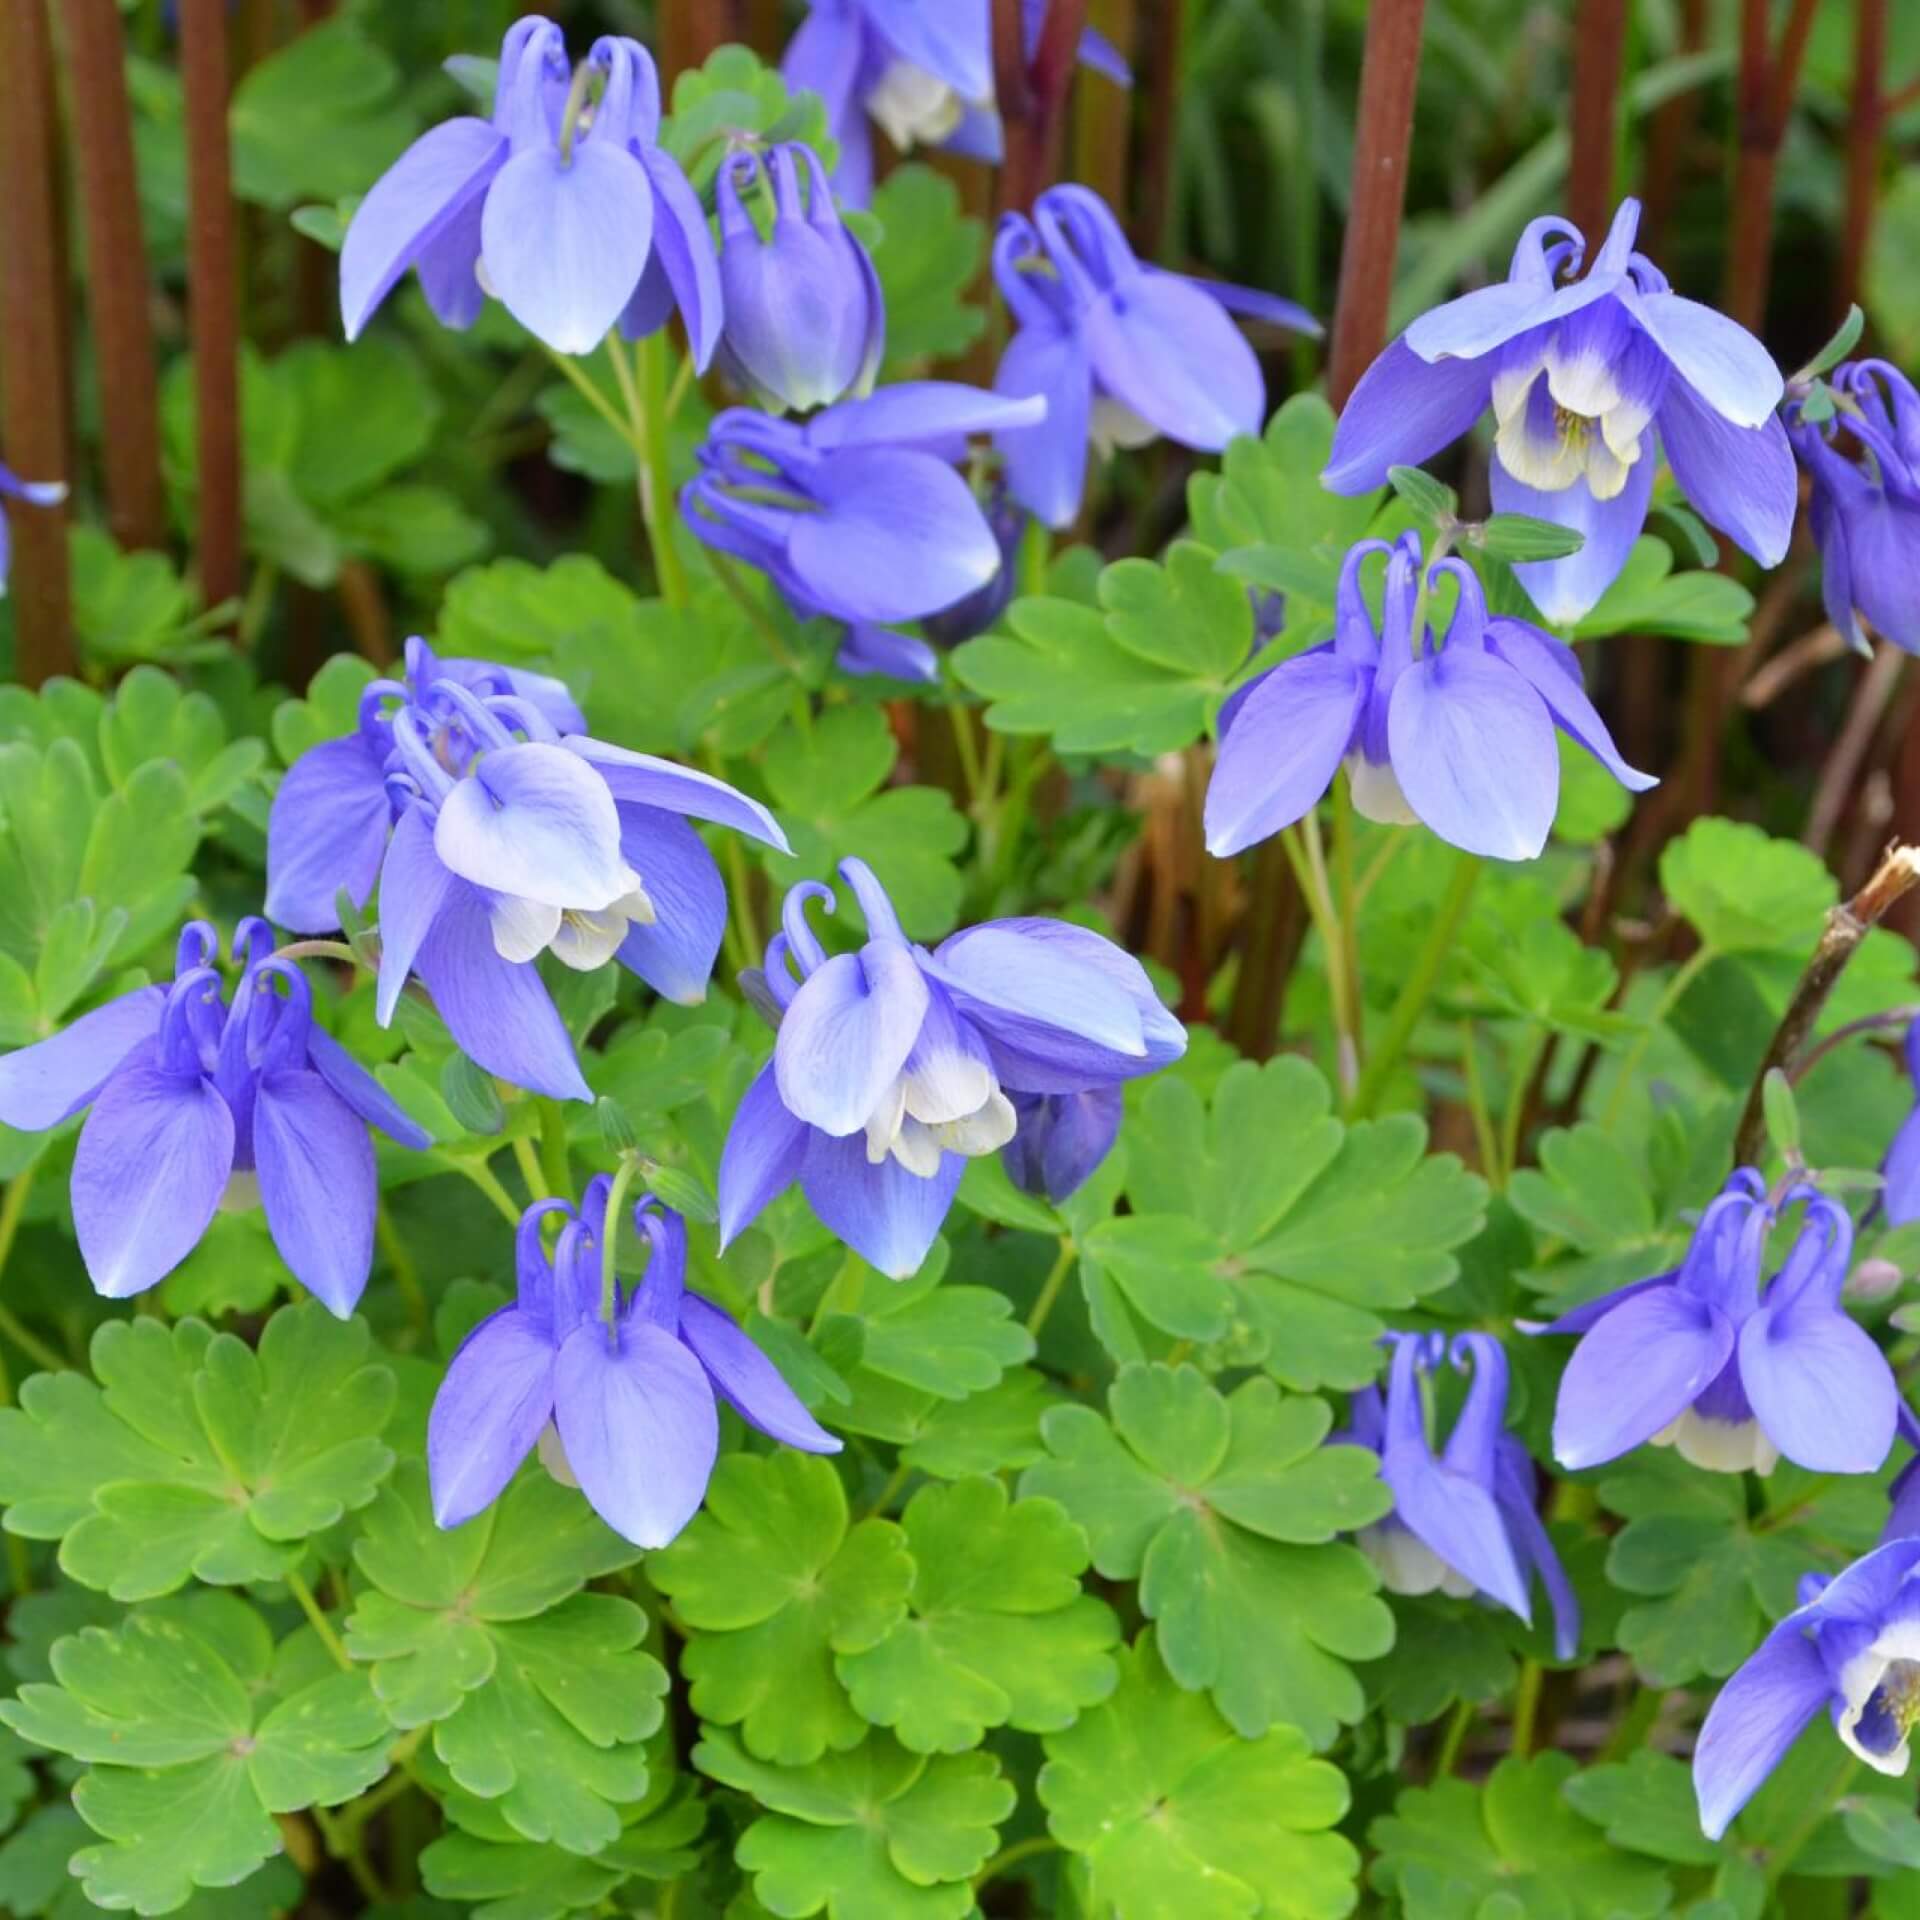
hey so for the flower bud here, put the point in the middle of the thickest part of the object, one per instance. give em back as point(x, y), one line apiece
point(805, 320)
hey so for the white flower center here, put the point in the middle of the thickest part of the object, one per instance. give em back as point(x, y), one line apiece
point(1113, 428)
point(1376, 793)
point(914, 108)
point(1406, 1564)
point(1882, 1690)
point(1719, 1446)
point(525, 929)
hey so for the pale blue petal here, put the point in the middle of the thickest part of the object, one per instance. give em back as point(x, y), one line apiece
point(1402, 412)
point(1821, 1390)
point(1567, 590)
point(414, 887)
point(747, 1380)
point(1285, 744)
point(652, 782)
point(362, 1092)
point(327, 829)
point(1718, 358)
point(675, 954)
point(1545, 664)
point(762, 1158)
point(317, 1184)
point(1759, 1714)
point(50, 1081)
point(1047, 464)
point(683, 252)
point(847, 1035)
point(1459, 1520)
point(538, 822)
point(1636, 1372)
point(1741, 479)
point(888, 1216)
point(487, 1416)
point(1168, 352)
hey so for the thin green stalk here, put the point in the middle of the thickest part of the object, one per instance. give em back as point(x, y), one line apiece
point(344, 1843)
point(1635, 1724)
point(556, 1156)
point(1526, 1707)
point(1491, 1161)
point(400, 1264)
point(13, 1207)
point(1688, 972)
point(310, 1606)
point(895, 1481)
point(1419, 986)
point(1308, 877)
point(610, 1239)
point(589, 391)
point(742, 936)
point(484, 1177)
point(960, 716)
point(528, 1161)
point(1349, 912)
point(1516, 1113)
point(1454, 1739)
point(1050, 1287)
point(643, 386)
point(1010, 1857)
point(742, 597)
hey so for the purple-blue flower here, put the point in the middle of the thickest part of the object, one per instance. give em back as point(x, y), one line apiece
point(1866, 514)
point(1458, 735)
point(200, 1105)
point(923, 71)
point(894, 1066)
point(1589, 380)
point(626, 1408)
point(511, 836)
point(1900, 1170)
point(36, 493)
point(1060, 1139)
point(857, 514)
point(1731, 1376)
point(806, 322)
point(1851, 1646)
point(566, 209)
point(1464, 1521)
point(1121, 352)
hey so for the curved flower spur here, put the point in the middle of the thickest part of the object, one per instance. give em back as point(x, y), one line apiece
point(1585, 378)
point(893, 1066)
point(200, 1105)
point(511, 838)
point(1729, 1375)
point(1456, 736)
point(1464, 1521)
point(564, 207)
point(616, 1387)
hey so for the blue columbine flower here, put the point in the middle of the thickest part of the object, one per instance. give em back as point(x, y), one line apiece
point(199, 1105)
point(1586, 379)
point(510, 837)
point(1465, 1521)
point(1851, 1646)
point(806, 322)
point(1458, 736)
point(923, 72)
point(1732, 1377)
point(625, 1410)
point(571, 215)
point(1900, 1170)
point(858, 514)
point(1866, 515)
point(1122, 352)
point(894, 1066)
point(1061, 1138)
point(36, 493)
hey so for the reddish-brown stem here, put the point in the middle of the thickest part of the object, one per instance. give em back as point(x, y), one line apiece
point(1383, 121)
point(1164, 37)
point(213, 299)
point(33, 368)
point(1865, 126)
point(1032, 95)
point(1768, 80)
point(1599, 43)
point(116, 272)
point(1669, 136)
point(1901, 99)
point(691, 30)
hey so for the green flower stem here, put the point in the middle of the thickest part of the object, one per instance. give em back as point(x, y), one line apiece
point(1635, 1724)
point(1419, 987)
point(1688, 972)
point(1526, 1707)
point(556, 1157)
point(1050, 1287)
point(643, 386)
point(1320, 910)
point(484, 1177)
point(742, 597)
point(616, 1202)
point(310, 1606)
point(887, 1494)
point(742, 934)
point(1455, 1737)
point(590, 392)
point(400, 1263)
point(1349, 911)
point(960, 715)
point(1491, 1160)
point(344, 1843)
point(1010, 1857)
point(1516, 1114)
point(531, 1171)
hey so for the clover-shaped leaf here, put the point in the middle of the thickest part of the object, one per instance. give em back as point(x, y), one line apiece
point(998, 1631)
point(1175, 1813)
point(775, 1583)
point(877, 1833)
point(929, 1335)
point(1744, 892)
point(191, 1754)
point(1267, 1221)
point(928, 255)
point(1225, 1510)
point(195, 1456)
point(1447, 1848)
point(1443, 1650)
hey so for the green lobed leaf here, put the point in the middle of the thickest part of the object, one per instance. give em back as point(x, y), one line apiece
point(1744, 892)
point(1649, 597)
point(929, 255)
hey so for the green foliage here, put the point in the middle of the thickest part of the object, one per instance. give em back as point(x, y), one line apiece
point(928, 256)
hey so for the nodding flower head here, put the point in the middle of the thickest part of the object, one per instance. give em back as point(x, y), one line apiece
point(893, 1066)
point(1456, 733)
point(1730, 1374)
point(201, 1103)
point(619, 1392)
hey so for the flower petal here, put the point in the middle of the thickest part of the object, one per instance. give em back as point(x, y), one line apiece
point(747, 1380)
point(1402, 411)
point(888, 1216)
point(1901, 1169)
point(1285, 745)
point(1821, 1390)
point(414, 887)
point(1169, 353)
point(317, 1185)
point(653, 782)
point(1472, 747)
point(1740, 478)
point(949, 41)
point(536, 821)
point(50, 1081)
point(639, 1426)
point(1553, 672)
point(868, 649)
point(1047, 463)
point(1459, 1520)
point(327, 829)
point(1479, 321)
point(924, 416)
point(1639, 1369)
point(1727, 368)
point(411, 205)
point(499, 1013)
point(1759, 1714)
point(362, 1092)
point(1063, 1138)
point(1516, 1493)
point(675, 954)
point(847, 1035)
point(762, 1158)
point(148, 1174)
point(1566, 590)
point(565, 244)
point(488, 1415)
point(683, 250)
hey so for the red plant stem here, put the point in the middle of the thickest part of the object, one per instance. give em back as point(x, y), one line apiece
point(1165, 38)
point(116, 272)
point(1599, 43)
point(1389, 72)
point(213, 299)
point(1032, 97)
point(1668, 138)
point(1767, 84)
point(691, 30)
point(1865, 127)
point(33, 384)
